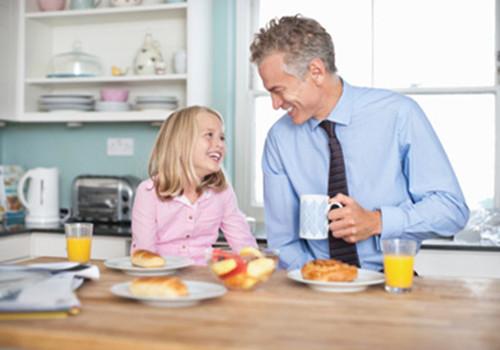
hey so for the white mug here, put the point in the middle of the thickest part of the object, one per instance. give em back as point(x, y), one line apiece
point(314, 210)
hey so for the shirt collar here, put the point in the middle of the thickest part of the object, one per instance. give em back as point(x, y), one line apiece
point(184, 200)
point(341, 113)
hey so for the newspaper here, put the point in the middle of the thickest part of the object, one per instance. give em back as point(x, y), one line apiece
point(43, 287)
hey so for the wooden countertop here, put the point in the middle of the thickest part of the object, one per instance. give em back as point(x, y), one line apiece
point(437, 314)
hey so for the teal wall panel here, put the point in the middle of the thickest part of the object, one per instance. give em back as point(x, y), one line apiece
point(76, 151)
point(223, 81)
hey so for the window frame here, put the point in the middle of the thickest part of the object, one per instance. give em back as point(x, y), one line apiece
point(246, 13)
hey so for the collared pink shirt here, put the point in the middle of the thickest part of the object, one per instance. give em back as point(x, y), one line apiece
point(179, 227)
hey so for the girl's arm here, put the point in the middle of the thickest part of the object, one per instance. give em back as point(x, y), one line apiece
point(144, 218)
point(234, 225)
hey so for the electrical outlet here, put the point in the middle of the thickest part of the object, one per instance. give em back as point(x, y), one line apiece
point(120, 147)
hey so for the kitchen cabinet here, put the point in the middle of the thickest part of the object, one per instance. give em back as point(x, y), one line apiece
point(54, 245)
point(458, 263)
point(15, 247)
point(113, 34)
point(30, 245)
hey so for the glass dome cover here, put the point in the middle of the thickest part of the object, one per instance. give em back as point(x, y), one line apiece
point(75, 63)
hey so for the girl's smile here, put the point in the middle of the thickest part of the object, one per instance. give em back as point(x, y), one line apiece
point(210, 148)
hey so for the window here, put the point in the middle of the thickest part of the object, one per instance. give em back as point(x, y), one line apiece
point(441, 53)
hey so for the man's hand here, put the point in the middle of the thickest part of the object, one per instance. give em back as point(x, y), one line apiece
point(352, 222)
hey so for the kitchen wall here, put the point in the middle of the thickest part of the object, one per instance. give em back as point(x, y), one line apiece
point(83, 149)
point(76, 151)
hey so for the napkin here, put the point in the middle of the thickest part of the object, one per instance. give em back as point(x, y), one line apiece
point(45, 287)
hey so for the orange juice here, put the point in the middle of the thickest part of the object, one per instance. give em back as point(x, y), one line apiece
point(398, 270)
point(78, 248)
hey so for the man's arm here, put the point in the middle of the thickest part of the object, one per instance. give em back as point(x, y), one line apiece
point(436, 206)
point(281, 210)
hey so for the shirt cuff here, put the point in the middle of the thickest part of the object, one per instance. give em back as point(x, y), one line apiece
point(393, 219)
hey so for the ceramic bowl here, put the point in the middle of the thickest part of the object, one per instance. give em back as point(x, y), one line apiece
point(51, 5)
point(111, 106)
point(115, 95)
point(246, 270)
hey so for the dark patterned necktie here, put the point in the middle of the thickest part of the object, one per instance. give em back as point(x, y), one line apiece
point(337, 183)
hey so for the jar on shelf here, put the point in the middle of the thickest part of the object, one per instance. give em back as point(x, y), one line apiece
point(74, 64)
point(149, 59)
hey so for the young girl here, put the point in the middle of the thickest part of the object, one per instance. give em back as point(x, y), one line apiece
point(180, 209)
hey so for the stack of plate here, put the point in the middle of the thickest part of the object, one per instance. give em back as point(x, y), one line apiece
point(156, 102)
point(111, 106)
point(66, 102)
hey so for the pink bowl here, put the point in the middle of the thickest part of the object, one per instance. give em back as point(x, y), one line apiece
point(117, 95)
point(51, 5)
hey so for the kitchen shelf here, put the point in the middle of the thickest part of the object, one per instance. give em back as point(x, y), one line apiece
point(107, 79)
point(114, 35)
point(80, 17)
point(106, 11)
point(96, 117)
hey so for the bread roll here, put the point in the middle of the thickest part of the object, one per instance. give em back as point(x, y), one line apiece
point(329, 270)
point(158, 286)
point(145, 258)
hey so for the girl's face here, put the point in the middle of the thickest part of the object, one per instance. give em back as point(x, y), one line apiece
point(209, 149)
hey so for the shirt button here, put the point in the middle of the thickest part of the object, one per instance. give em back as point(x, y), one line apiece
point(187, 236)
point(190, 217)
point(183, 247)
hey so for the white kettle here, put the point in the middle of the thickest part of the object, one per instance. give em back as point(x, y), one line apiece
point(42, 201)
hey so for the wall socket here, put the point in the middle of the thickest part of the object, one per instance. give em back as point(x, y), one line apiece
point(120, 147)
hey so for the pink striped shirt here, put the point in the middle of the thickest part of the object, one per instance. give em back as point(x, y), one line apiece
point(179, 227)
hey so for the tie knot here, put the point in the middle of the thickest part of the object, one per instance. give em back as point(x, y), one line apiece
point(329, 127)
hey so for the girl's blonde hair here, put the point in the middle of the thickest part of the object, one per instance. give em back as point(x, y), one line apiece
point(171, 163)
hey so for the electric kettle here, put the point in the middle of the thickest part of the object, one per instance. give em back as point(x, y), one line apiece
point(42, 201)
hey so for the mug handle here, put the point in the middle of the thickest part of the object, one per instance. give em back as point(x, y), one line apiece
point(334, 205)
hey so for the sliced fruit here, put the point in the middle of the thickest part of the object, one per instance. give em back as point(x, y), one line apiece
point(261, 268)
point(251, 252)
point(249, 282)
point(223, 267)
point(235, 281)
point(241, 267)
point(219, 254)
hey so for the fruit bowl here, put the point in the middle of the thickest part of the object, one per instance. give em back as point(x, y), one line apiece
point(246, 270)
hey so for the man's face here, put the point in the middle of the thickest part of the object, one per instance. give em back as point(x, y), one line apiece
point(300, 98)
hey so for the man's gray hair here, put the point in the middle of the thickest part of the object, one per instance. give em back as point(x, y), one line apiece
point(301, 40)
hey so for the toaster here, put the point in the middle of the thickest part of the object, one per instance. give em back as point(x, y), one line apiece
point(99, 198)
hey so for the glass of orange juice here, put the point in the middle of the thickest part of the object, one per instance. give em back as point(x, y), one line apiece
point(78, 241)
point(399, 255)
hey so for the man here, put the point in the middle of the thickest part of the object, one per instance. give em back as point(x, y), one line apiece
point(400, 183)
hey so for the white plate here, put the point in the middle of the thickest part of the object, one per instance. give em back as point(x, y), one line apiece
point(111, 106)
point(365, 278)
point(197, 291)
point(173, 263)
point(66, 99)
point(77, 96)
point(66, 107)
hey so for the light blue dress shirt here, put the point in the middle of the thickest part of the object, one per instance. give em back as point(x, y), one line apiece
point(394, 162)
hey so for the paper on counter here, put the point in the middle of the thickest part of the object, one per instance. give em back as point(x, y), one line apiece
point(88, 271)
point(55, 292)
